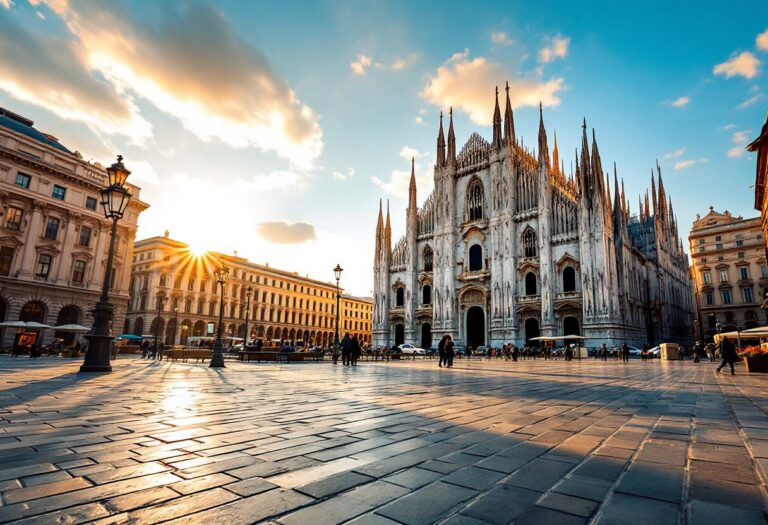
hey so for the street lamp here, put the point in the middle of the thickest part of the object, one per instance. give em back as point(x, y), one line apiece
point(160, 302)
point(248, 292)
point(337, 273)
point(217, 359)
point(114, 201)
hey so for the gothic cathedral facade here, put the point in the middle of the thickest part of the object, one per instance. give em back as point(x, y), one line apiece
point(509, 247)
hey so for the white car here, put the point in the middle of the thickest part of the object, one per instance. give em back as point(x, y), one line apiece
point(407, 349)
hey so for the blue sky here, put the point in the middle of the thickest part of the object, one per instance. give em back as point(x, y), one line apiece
point(274, 130)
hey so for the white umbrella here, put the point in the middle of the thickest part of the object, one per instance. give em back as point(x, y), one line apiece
point(71, 328)
point(14, 324)
point(36, 326)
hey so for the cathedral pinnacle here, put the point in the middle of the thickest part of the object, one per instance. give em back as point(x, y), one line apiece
point(497, 122)
point(543, 148)
point(440, 144)
point(412, 186)
point(509, 122)
point(451, 139)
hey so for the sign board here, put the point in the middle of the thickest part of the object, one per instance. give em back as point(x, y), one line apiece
point(210, 328)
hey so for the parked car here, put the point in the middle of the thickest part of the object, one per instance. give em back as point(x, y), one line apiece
point(433, 350)
point(634, 351)
point(481, 350)
point(655, 352)
point(408, 349)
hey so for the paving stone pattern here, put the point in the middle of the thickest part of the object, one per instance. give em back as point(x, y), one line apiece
point(488, 441)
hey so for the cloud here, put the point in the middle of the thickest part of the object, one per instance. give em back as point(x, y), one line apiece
point(419, 119)
point(467, 85)
point(745, 64)
point(52, 73)
point(762, 40)
point(557, 48)
point(500, 38)
point(401, 63)
point(276, 180)
point(338, 175)
point(6, 3)
point(399, 180)
point(728, 126)
point(680, 102)
point(674, 154)
point(282, 232)
point(685, 164)
point(173, 58)
point(750, 101)
point(360, 65)
point(739, 139)
point(142, 172)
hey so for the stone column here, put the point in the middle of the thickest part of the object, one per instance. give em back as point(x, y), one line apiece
point(27, 261)
point(61, 276)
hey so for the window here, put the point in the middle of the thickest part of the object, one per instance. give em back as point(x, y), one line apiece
point(763, 271)
point(22, 180)
point(529, 243)
point(569, 279)
point(710, 297)
point(428, 255)
point(475, 258)
point(723, 276)
point(743, 273)
point(43, 266)
point(90, 203)
point(13, 218)
point(703, 259)
point(739, 243)
point(426, 295)
point(6, 260)
point(164, 279)
point(530, 283)
point(726, 297)
point(718, 238)
point(475, 200)
point(400, 297)
point(78, 272)
point(701, 241)
point(702, 250)
point(51, 229)
point(720, 257)
point(747, 294)
point(741, 255)
point(85, 236)
point(707, 277)
point(59, 192)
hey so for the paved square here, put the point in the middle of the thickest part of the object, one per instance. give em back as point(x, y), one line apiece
point(400, 442)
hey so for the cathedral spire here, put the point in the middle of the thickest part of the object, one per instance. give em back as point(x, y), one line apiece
point(379, 233)
point(653, 193)
point(585, 162)
point(640, 207)
point(647, 207)
point(597, 166)
point(412, 186)
point(617, 206)
point(556, 157)
point(440, 144)
point(388, 232)
point(497, 123)
point(451, 139)
point(624, 203)
point(543, 148)
point(509, 122)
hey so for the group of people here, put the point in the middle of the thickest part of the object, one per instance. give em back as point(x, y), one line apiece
point(350, 350)
point(446, 350)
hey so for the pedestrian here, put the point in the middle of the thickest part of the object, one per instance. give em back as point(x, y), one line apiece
point(515, 353)
point(697, 351)
point(346, 349)
point(144, 348)
point(354, 351)
point(604, 351)
point(711, 352)
point(441, 351)
point(644, 352)
point(449, 351)
point(728, 354)
point(624, 353)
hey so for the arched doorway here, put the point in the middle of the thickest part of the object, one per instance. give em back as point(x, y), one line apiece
point(399, 334)
point(426, 335)
point(531, 330)
point(67, 315)
point(127, 326)
point(138, 326)
point(33, 311)
point(475, 327)
point(571, 326)
point(170, 332)
point(199, 328)
point(269, 333)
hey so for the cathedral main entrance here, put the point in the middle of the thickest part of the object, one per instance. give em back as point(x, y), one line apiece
point(571, 326)
point(531, 330)
point(426, 335)
point(399, 334)
point(475, 327)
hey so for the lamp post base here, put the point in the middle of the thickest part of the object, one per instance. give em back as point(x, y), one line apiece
point(97, 356)
point(217, 359)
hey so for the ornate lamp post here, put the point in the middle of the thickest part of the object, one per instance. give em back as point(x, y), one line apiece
point(337, 273)
point(114, 201)
point(248, 292)
point(217, 359)
point(160, 302)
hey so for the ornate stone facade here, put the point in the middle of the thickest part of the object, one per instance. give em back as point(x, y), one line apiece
point(53, 235)
point(509, 247)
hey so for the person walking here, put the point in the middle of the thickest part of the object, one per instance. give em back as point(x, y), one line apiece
point(624, 353)
point(604, 351)
point(441, 351)
point(697, 351)
point(355, 351)
point(346, 347)
point(449, 351)
point(728, 354)
point(710, 348)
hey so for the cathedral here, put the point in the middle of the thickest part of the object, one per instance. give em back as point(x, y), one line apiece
point(509, 247)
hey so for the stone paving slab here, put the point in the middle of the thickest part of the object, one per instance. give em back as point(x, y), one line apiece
point(488, 441)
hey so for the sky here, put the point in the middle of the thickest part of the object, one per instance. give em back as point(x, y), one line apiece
point(274, 128)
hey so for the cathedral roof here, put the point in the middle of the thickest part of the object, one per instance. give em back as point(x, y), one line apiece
point(475, 151)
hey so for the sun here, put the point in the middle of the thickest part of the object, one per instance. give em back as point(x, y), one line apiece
point(197, 250)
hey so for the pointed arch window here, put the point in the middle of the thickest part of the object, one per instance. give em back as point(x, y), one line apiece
point(426, 294)
point(530, 283)
point(475, 258)
point(400, 297)
point(428, 257)
point(475, 200)
point(569, 279)
point(529, 243)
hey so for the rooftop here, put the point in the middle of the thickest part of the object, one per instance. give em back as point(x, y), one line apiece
point(19, 124)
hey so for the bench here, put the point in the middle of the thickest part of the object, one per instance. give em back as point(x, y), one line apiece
point(186, 353)
point(280, 357)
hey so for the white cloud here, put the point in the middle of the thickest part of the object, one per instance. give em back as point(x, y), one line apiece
point(500, 38)
point(348, 174)
point(557, 48)
point(762, 40)
point(276, 180)
point(739, 139)
point(680, 102)
point(172, 57)
point(401, 63)
point(399, 180)
point(688, 163)
point(744, 64)
point(728, 126)
point(142, 172)
point(419, 119)
point(751, 101)
point(6, 3)
point(674, 154)
point(467, 85)
point(360, 65)
point(283, 232)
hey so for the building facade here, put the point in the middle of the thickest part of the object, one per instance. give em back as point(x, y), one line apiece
point(174, 295)
point(760, 147)
point(509, 247)
point(729, 272)
point(53, 235)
